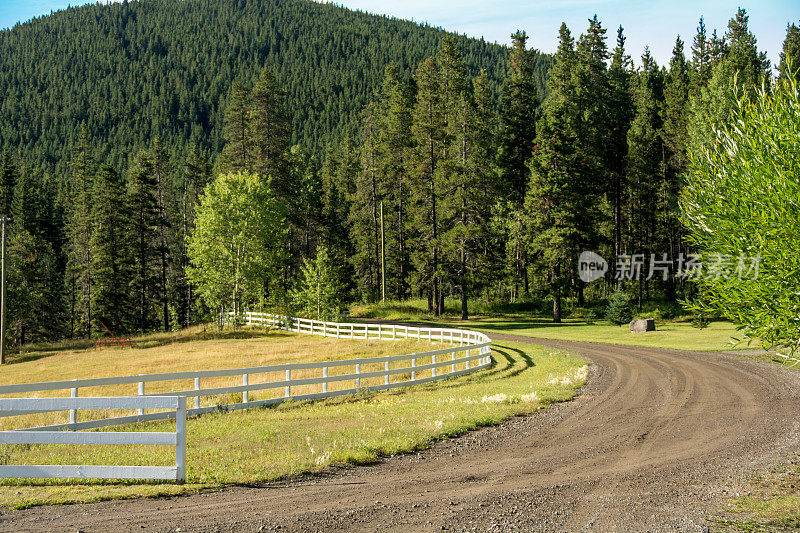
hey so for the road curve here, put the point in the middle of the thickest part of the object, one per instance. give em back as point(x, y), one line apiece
point(654, 442)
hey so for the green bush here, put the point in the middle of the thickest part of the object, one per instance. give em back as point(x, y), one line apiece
point(741, 201)
point(620, 308)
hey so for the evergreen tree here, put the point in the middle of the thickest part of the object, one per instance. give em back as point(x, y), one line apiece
point(620, 115)
point(790, 55)
point(675, 137)
point(517, 118)
point(553, 201)
point(429, 137)
point(111, 254)
point(644, 159)
point(236, 155)
point(142, 207)
point(751, 67)
point(80, 228)
point(395, 144)
point(702, 65)
point(8, 179)
point(269, 130)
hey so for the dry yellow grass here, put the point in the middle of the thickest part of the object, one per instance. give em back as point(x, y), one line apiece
point(255, 349)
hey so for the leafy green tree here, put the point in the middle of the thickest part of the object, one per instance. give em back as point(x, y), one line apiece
point(236, 248)
point(320, 294)
point(755, 164)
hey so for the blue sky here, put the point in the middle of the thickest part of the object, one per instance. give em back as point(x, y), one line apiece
point(656, 23)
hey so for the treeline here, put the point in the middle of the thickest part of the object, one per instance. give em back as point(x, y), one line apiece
point(499, 202)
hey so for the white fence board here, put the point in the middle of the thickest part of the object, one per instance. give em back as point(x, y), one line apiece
point(89, 471)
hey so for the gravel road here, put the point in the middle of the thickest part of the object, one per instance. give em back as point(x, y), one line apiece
point(655, 442)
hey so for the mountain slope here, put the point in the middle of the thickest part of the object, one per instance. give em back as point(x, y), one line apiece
point(134, 71)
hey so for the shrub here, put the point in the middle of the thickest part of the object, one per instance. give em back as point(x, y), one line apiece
point(620, 308)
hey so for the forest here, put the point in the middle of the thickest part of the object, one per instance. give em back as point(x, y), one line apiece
point(388, 159)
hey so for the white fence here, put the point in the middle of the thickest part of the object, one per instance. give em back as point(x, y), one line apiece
point(468, 351)
point(21, 406)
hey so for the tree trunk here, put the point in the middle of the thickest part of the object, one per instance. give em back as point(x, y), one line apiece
point(557, 309)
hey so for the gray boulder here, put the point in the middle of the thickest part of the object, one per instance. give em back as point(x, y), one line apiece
point(640, 325)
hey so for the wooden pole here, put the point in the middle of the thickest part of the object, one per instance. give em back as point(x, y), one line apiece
point(3, 221)
point(383, 259)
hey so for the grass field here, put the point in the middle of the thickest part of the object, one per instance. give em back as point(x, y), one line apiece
point(192, 349)
point(676, 334)
point(264, 444)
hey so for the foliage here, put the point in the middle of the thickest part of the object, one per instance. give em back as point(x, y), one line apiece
point(620, 308)
point(320, 293)
point(740, 202)
point(236, 250)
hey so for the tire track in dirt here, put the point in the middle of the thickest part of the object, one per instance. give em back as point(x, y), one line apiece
point(654, 442)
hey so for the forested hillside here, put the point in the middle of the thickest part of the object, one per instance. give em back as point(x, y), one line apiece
point(134, 71)
point(167, 161)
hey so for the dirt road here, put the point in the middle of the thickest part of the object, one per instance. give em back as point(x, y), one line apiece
point(654, 442)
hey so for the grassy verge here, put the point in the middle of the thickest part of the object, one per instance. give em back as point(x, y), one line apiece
point(674, 334)
point(771, 503)
point(270, 443)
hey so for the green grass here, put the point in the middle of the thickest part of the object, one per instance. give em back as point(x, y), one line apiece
point(771, 502)
point(264, 444)
point(676, 334)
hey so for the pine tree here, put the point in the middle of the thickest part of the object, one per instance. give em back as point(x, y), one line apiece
point(236, 154)
point(142, 207)
point(395, 144)
point(111, 253)
point(429, 137)
point(365, 213)
point(9, 173)
point(553, 201)
point(269, 130)
point(790, 54)
point(702, 65)
point(195, 175)
point(751, 67)
point(620, 115)
point(644, 159)
point(517, 118)
point(80, 228)
point(594, 131)
point(675, 136)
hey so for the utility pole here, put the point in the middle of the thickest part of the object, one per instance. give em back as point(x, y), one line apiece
point(383, 259)
point(3, 220)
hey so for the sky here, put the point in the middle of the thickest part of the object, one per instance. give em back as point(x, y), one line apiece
point(646, 22)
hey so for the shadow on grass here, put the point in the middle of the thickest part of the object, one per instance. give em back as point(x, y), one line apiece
point(35, 352)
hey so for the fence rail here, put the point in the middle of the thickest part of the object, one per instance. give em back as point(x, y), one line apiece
point(467, 352)
point(20, 406)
